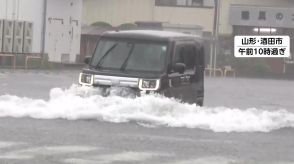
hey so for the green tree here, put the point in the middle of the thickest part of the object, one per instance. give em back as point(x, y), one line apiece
point(101, 24)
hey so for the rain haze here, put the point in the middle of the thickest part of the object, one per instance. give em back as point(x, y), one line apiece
point(146, 81)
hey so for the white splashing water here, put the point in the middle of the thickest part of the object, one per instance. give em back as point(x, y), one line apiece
point(82, 103)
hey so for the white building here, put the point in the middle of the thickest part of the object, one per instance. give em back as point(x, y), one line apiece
point(181, 12)
point(56, 25)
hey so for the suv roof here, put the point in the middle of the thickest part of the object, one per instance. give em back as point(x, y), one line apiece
point(151, 35)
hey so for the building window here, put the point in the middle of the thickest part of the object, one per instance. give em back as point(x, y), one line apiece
point(245, 15)
point(262, 15)
point(181, 3)
point(196, 2)
point(165, 2)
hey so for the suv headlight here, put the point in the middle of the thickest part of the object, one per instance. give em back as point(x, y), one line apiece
point(149, 84)
point(86, 79)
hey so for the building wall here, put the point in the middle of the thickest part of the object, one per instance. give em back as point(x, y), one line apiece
point(117, 12)
point(63, 30)
point(179, 15)
point(25, 10)
point(60, 37)
point(226, 28)
point(232, 15)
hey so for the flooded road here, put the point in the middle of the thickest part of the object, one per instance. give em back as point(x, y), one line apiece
point(46, 118)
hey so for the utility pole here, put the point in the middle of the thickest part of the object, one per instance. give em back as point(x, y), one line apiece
point(215, 35)
point(43, 41)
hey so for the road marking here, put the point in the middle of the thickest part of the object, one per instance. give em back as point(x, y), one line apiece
point(4, 144)
point(57, 150)
point(15, 156)
point(118, 157)
point(46, 151)
point(126, 156)
point(208, 160)
point(82, 161)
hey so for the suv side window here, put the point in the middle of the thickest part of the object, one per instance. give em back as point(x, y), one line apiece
point(185, 53)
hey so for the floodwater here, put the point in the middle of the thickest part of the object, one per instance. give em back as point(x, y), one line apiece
point(46, 118)
point(231, 104)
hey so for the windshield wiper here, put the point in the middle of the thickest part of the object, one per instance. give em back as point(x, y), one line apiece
point(124, 65)
point(105, 55)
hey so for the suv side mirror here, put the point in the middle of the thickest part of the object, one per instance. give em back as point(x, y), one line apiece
point(180, 67)
point(87, 59)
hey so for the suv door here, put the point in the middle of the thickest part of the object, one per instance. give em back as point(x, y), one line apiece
point(200, 66)
point(183, 85)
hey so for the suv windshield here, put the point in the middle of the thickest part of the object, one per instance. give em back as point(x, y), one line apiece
point(130, 55)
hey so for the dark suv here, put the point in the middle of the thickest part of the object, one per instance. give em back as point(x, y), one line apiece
point(145, 61)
